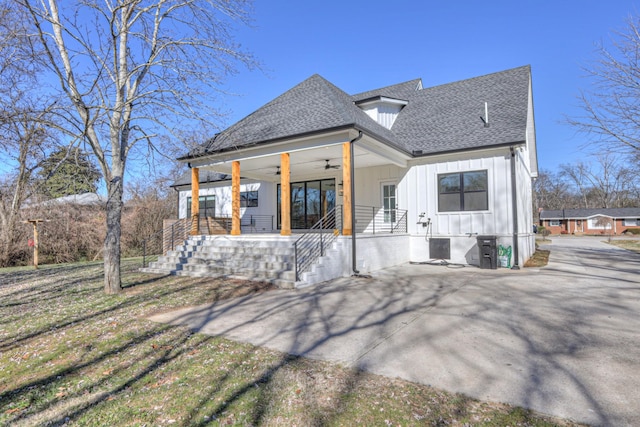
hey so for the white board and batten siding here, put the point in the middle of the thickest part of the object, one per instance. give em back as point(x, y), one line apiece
point(384, 114)
point(421, 187)
point(222, 193)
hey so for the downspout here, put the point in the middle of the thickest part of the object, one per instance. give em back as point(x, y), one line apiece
point(353, 204)
point(514, 206)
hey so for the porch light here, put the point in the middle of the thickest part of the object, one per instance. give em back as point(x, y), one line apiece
point(340, 190)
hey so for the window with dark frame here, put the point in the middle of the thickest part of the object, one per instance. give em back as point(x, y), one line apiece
point(248, 199)
point(207, 206)
point(310, 201)
point(463, 191)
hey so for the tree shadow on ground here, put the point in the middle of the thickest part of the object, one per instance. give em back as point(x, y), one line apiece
point(117, 362)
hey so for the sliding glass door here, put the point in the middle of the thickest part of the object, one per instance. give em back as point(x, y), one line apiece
point(310, 201)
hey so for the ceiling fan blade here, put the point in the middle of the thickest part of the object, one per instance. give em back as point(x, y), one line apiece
point(329, 166)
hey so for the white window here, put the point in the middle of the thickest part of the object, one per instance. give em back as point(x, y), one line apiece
point(631, 222)
point(600, 223)
point(389, 202)
point(554, 223)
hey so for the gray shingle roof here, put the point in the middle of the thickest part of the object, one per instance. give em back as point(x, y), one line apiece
point(438, 119)
point(397, 91)
point(314, 105)
point(447, 118)
point(587, 213)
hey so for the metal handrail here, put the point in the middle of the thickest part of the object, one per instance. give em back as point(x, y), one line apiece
point(176, 232)
point(248, 223)
point(312, 245)
point(401, 225)
point(376, 220)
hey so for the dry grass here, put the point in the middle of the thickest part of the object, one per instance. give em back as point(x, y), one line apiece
point(631, 245)
point(540, 258)
point(71, 355)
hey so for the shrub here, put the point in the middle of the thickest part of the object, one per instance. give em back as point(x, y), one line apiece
point(564, 232)
point(635, 231)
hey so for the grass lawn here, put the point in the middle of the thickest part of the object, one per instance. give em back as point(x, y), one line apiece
point(71, 355)
point(632, 245)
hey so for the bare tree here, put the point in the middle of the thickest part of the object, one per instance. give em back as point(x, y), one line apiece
point(612, 106)
point(551, 191)
point(23, 134)
point(131, 71)
point(605, 184)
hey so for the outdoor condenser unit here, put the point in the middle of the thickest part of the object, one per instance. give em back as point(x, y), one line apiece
point(439, 248)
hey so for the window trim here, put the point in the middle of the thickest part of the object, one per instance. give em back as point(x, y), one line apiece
point(554, 223)
point(462, 192)
point(636, 222)
point(389, 212)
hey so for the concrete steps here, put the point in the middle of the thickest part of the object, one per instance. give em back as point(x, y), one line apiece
point(261, 259)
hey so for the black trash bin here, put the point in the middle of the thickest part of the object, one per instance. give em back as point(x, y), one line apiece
point(488, 251)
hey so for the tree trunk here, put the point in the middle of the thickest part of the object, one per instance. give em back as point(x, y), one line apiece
point(112, 283)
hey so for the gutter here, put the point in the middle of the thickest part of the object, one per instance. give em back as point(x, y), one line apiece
point(514, 206)
point(353, 204)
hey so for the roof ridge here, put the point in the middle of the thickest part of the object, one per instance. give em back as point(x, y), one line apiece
point(379, 89)
point(479, 77)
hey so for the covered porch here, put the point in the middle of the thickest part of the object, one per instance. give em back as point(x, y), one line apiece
point(308, 178)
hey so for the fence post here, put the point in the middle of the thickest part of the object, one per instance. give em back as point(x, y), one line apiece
point(144, 253)
point(172, 235)
point(394, 212)
point(321, 240)
point(295, 255)
point(373, 217)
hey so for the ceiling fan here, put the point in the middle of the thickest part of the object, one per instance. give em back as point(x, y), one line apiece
point(328, 166)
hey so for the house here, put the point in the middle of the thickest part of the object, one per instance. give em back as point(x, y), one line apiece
point(392, 175)
point(590, 221)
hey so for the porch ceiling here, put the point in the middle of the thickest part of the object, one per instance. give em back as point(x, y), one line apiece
point(309, 161)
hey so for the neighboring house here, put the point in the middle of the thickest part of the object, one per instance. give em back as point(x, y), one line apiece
point(82, 199)
point(404, 173)
point(590, 221)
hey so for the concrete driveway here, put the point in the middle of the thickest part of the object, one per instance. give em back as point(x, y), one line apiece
point(562, 340)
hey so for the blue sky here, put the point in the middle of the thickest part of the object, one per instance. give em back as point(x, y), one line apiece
point(360, 45)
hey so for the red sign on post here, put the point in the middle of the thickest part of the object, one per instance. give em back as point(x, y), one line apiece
point(31, 243)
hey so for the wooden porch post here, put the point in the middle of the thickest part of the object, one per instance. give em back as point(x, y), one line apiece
point(36, 242)
point(235, 198)
point(195, 201)
point(285, 195)
point(346, 189)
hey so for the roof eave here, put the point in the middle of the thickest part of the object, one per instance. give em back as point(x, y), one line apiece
point(304, 135)
point(416, 154)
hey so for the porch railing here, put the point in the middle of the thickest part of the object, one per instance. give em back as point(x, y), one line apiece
point(248, 223)
point(314, 243)
point(376, 220)
point(369, 220)
point(169, 237)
